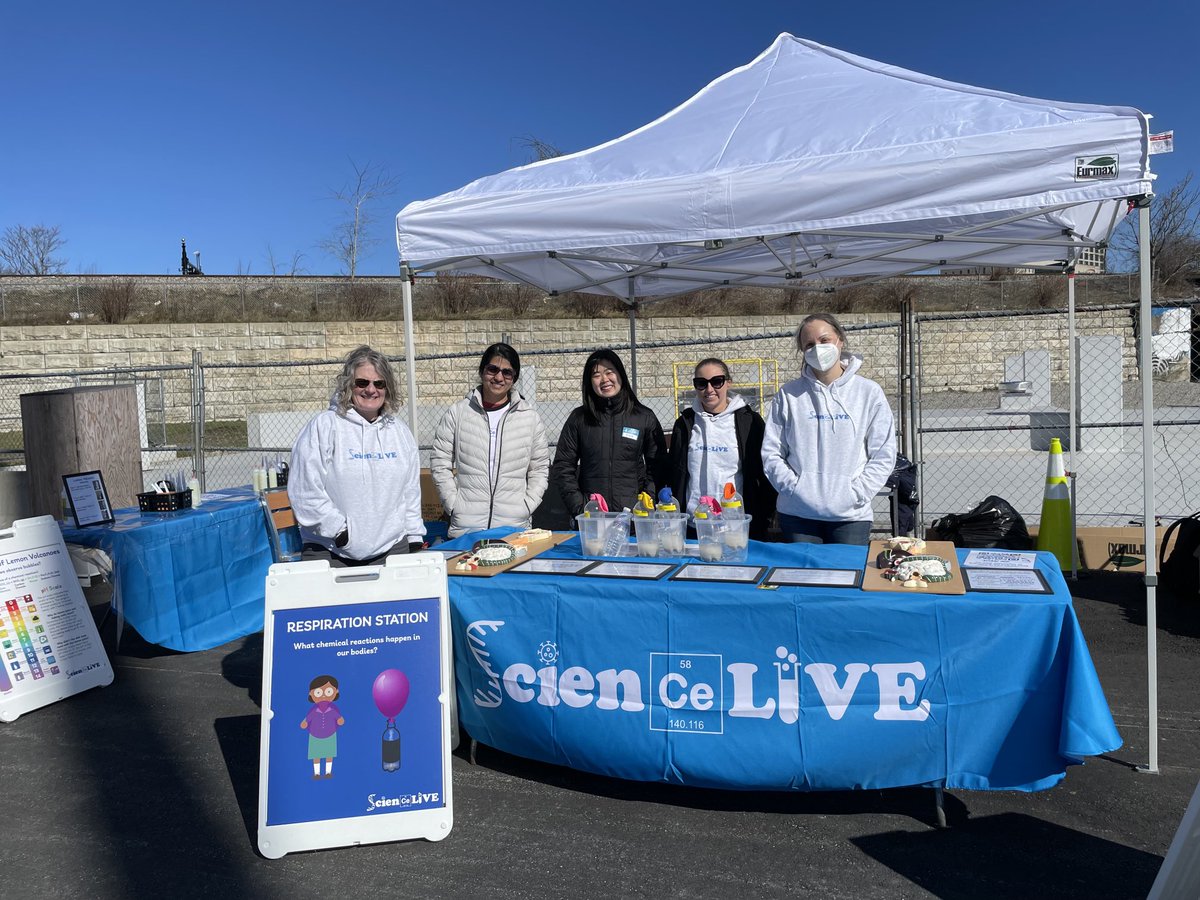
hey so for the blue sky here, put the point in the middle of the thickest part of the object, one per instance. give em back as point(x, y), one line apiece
point(132, 124)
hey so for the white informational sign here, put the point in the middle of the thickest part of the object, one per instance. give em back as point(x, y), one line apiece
point(356, 705)
point(1000, 559)
point(48, 639)
point(1011, 581)
point(1163, 142)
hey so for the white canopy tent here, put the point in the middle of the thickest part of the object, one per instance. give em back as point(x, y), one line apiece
point(807, 165)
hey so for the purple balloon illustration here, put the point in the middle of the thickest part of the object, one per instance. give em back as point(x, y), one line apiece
point(390, 692)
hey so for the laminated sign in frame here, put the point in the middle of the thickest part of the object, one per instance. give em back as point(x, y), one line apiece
point(356, 705)
point(48, 640)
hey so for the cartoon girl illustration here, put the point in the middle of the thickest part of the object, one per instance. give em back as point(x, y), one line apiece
point(322, 722)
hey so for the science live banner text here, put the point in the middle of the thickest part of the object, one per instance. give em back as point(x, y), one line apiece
point(813, 688)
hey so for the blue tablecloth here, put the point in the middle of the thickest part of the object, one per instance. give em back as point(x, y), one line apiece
point(192, 579)
point(732, 686)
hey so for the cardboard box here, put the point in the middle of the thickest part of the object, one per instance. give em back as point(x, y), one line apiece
point(431, 503)
point(1116, 549)
point(1121, 549)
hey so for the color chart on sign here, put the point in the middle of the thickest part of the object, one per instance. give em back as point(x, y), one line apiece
point(48, 640)
point(23, 637)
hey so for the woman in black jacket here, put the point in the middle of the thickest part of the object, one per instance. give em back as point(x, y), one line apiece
point(612, 445)
point(717, 440)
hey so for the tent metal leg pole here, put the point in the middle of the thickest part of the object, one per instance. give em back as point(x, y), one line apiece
point(632, 337)
point(410, 352)
point(1147, 372)
point(1072, 373)
point(916, 452)
point(939, 806)
point(1072, 416)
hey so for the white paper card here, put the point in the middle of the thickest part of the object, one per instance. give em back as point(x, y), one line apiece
point(1000, 559)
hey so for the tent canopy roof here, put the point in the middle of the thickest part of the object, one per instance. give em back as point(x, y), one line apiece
point(805, 165)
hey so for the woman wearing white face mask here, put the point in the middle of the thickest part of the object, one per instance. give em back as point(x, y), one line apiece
point(830, 441)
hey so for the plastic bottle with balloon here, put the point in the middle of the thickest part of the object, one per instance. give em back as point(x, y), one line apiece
point(390, 693)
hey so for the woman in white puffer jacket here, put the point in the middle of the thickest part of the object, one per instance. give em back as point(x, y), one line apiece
point(490, 460)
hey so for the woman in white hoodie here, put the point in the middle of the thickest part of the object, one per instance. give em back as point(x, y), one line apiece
point(830, 441)
point(355, 482)
point(718, 439)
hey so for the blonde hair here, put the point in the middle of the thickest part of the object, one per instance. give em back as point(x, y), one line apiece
point(344, 390)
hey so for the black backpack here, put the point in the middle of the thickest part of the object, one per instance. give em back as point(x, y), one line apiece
point(903, 481)
point(1179, 571)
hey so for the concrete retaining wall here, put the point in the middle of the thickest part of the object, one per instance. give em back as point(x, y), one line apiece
point(265, 367)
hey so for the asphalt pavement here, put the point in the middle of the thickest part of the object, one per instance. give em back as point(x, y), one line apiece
point(148, 788)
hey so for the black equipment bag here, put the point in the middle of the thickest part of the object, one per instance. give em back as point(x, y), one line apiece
point(993, 523)
point(1179, 570)
point(903, 481)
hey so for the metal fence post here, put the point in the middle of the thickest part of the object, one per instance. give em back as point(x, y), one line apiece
point(198, 416)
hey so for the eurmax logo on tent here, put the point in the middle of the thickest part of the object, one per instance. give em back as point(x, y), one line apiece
point(1096, 168)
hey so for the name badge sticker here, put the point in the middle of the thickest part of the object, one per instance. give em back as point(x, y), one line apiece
point(630, 434)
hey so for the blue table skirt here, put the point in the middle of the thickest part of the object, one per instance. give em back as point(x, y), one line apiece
point(192, 579)
point(732, 686)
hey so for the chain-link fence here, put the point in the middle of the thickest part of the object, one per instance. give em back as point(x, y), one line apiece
point(988, 409)
point(978, 396)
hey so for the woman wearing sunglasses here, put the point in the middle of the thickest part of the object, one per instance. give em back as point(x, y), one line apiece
point(830, 442)
point(355, 483)
point(611, 445)
point(719, 440)
point(490, 459)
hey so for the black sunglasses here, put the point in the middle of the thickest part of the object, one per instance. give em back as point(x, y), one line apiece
point(717, 381)
point(496, 370)
point(380, 384)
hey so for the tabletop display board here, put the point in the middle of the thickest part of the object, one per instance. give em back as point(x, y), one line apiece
point(48, 640)
point(873, 579)
point(355, 742)
point(532, 550)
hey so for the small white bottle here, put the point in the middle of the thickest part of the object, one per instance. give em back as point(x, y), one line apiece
point(260, 480)
point(194, 487)
point(272, 477)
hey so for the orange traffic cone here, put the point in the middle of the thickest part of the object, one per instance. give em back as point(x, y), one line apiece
point(1054, 532)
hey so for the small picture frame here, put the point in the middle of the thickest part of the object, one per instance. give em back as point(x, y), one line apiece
point(720, 573)
point(88, 498)
point(645, 571)
point(541, 565)
point(787, 576)
point(1006, 581)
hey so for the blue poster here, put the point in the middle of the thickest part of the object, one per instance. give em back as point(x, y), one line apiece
point(356, 726)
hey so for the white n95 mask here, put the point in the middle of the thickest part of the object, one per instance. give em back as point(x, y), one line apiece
point(822, 356)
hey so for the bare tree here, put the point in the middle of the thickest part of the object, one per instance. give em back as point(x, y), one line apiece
point(351, 237)
point(1174, 235)
point(278, 266)
point(31, 250)
point(536, 149)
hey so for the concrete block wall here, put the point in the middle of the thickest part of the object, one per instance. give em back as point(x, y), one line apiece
point(266, 366)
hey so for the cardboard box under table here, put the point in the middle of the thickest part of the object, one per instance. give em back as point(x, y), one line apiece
point(797, 688)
